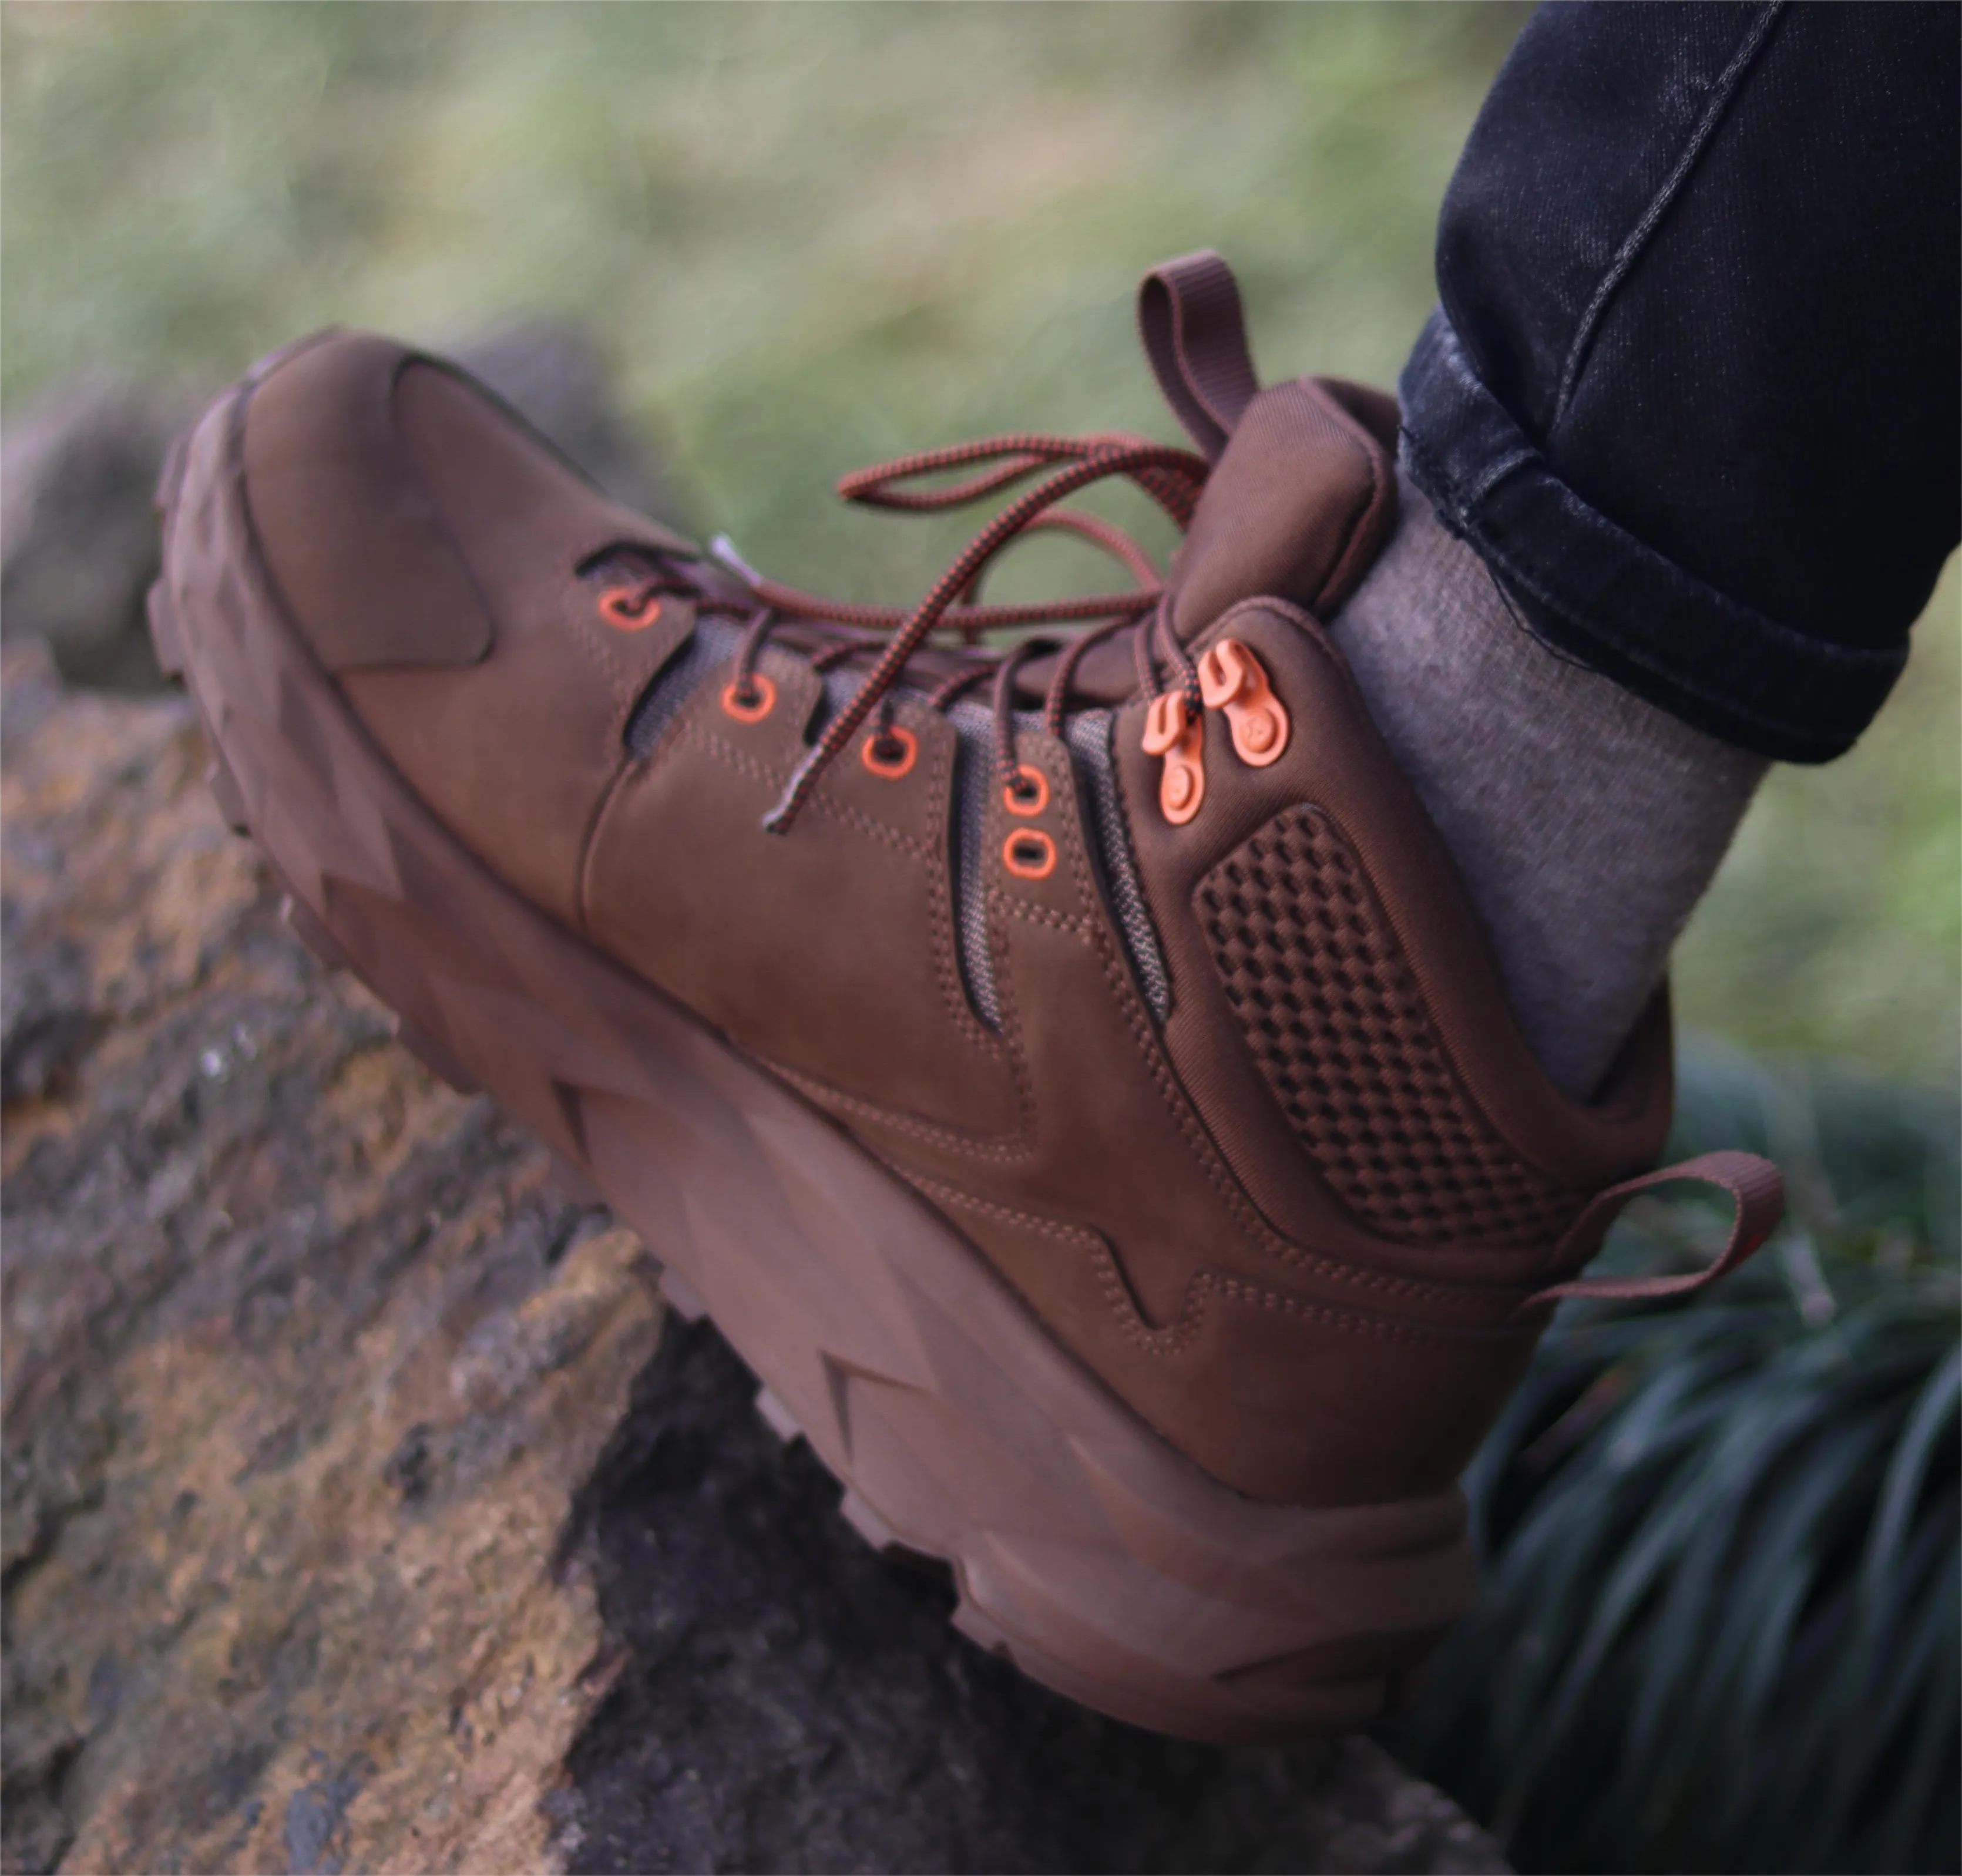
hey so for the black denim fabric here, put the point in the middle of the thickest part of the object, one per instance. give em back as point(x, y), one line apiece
point(1692, 391)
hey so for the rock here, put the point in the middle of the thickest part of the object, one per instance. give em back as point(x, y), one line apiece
point(790, 1700)
point(358, 1512)
point(551, 374)
point(77, 541)
point(301, 1366)
point(44, 1022)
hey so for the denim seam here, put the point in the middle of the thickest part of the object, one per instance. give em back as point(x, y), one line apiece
point(1492, 550)
point(1852, 658)
point(1677, 679)
point(1728, 82)
point(1508, 464)
point(1460, 509)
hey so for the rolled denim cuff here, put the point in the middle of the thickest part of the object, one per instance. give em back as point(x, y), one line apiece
point(1593, 591)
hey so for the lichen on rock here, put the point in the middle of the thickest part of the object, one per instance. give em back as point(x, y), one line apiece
point(301, 1368)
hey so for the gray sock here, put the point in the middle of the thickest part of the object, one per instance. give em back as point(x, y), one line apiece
point(1587, 822)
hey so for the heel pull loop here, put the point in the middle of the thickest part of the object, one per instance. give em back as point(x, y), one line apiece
point(1195, 335)
point(1757, 1191)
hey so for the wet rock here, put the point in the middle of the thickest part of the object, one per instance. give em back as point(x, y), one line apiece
point(77, 542)
point(358, 1512)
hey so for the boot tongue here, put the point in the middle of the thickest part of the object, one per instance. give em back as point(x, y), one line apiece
point(1303, 492)
point(1299, 500)
point(1303, 489)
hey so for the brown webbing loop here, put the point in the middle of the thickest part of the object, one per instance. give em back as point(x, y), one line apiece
point(1757, 1191)
point(1195, 334)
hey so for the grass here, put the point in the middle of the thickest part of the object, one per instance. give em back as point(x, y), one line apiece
point(1718, 1628)
point(810, 236)
point(865, 215)
point(1836, 925)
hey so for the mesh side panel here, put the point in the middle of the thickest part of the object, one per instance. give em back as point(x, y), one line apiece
point(1335, 1020)
point(714, 643)
point(1089, 737)
point(973, 769)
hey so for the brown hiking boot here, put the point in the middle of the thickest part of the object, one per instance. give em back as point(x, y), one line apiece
point(1073, 1077)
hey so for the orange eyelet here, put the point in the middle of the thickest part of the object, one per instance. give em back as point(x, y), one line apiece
point(1171, 730)
point(1029, 854)
point(1028, 794)
point(617, 608)
point(891, 753)
point(1232, 679)
point(761, 701)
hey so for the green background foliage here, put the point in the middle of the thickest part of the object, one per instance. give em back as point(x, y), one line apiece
point(808, 237)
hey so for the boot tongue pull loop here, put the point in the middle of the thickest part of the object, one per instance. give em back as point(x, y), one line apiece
point(1302, 488)
point(1195, 335)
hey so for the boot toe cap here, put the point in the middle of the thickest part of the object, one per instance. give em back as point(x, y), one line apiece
point(369, 573)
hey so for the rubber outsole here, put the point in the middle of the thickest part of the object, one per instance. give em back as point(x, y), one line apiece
point(1083, 1547)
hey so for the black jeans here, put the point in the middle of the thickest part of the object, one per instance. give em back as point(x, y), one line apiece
point(1692, 392)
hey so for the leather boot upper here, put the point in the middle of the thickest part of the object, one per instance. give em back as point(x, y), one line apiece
point(1243, 1115)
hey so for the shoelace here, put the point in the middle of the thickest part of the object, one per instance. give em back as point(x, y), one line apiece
point(1172, 478)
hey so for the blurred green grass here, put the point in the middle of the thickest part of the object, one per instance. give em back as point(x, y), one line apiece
point(810, 236)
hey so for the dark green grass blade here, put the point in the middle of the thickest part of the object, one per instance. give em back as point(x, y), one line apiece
point(1719, 1624)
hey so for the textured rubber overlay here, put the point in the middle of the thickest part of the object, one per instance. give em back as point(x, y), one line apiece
point(1335, 1019)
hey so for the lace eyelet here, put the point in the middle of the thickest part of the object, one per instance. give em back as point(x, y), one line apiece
point(1029, 854)
point(890, 752)
point(760, 701)
point(619, 609)
point(1232, 679)
point(1028, 794)
point(1173, 731)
